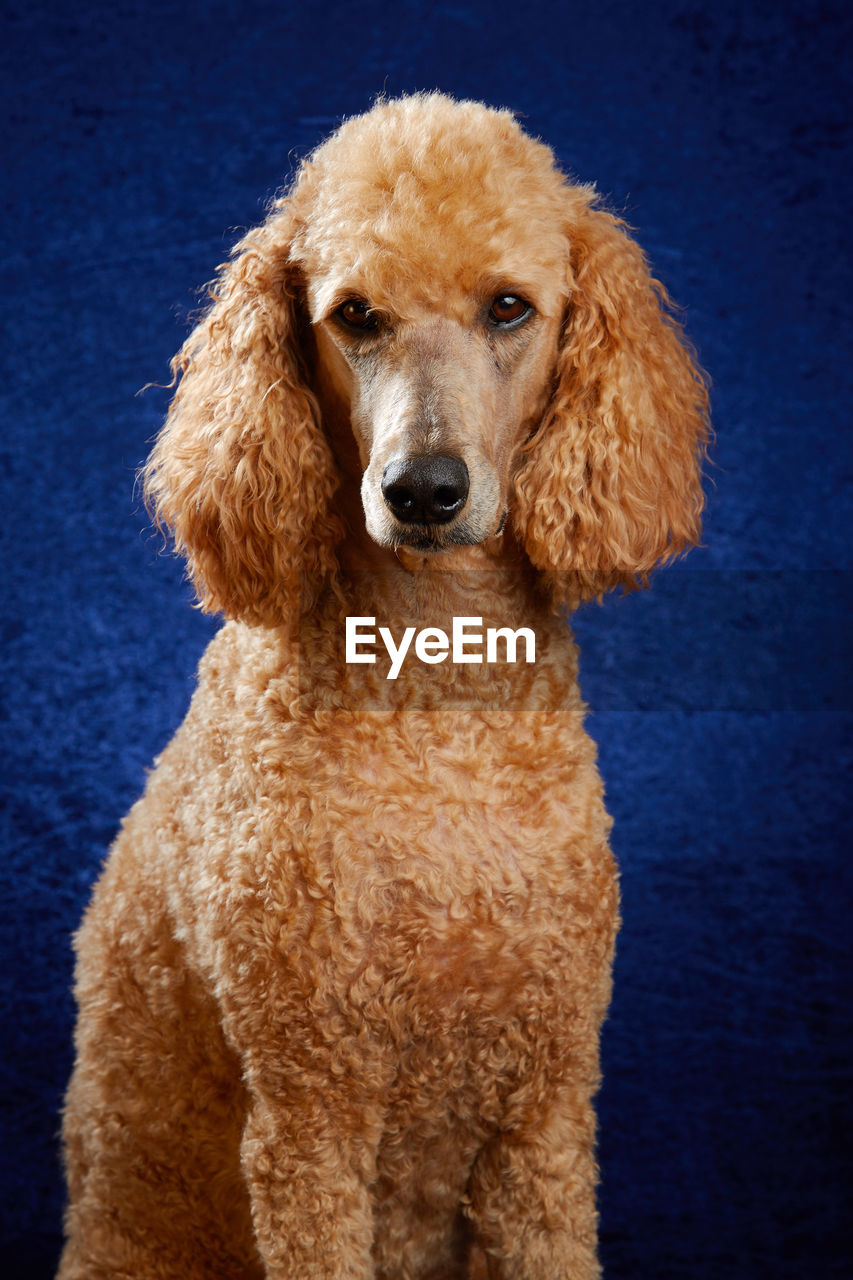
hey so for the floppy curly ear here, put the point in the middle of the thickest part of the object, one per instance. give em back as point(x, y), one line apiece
point(241, 472)
point(611, 484)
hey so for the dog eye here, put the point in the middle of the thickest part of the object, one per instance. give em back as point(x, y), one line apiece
point(356, 314)
point(508, 309)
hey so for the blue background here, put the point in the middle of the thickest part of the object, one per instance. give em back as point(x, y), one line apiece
point(140, 139)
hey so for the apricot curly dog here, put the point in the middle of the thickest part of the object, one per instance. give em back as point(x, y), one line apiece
point(342, 979)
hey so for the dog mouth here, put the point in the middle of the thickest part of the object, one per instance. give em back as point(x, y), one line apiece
point(430, 545)
point(432, 540)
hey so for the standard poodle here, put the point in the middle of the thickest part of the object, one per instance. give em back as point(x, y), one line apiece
point(342, 979)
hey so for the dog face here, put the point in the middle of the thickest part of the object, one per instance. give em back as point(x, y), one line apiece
point(440, 395)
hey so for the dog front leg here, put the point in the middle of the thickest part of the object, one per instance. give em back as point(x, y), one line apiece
point(307, 1174)
point(532, 1196)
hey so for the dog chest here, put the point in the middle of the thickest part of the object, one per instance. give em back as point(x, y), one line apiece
point(452, 915)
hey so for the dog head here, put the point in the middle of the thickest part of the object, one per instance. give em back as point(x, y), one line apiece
point(493, 341)
point(430, 238)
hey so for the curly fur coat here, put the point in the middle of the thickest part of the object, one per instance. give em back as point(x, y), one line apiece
point(342, 979)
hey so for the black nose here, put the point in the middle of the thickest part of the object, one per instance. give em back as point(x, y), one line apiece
point(425, 489)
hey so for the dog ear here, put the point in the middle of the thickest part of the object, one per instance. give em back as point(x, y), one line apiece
point(241, 472)
point(611, 482)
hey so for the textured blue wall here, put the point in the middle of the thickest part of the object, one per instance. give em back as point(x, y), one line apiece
point(139, 139)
